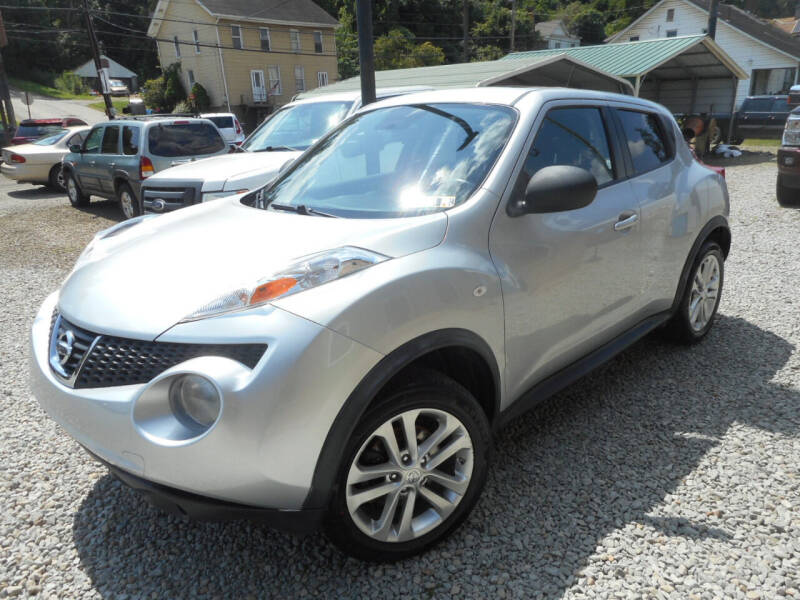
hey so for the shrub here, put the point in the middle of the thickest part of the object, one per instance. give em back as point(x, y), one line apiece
point(173, 86)
point(199, 98)
point(71, 83)
point(183, 107)
point(153, 94)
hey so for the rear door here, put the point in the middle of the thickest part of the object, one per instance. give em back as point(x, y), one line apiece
point(777, 119)
point(572, 279)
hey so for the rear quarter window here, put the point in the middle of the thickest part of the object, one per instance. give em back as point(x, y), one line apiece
point(644, 136)
point(190, 139)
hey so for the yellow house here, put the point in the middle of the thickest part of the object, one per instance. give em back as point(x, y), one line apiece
point(251, 56)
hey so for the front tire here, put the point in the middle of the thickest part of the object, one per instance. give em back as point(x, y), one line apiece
point(698, 307)
point(127, 201)
point(412, 471)
point(786, 196)
point(76, 197)
point(55, 180)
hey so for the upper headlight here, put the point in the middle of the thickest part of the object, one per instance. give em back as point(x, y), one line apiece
point(307, 272)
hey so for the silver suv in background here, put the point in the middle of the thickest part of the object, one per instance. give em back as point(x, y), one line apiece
point(344, 341)
point(276, 142)
point(117, 156)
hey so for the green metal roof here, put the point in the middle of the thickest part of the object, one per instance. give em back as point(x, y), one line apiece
point(628, 59)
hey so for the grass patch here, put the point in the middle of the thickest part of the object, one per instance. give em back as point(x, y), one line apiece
point(43, 90)
point(118, 103)
point(759, 142)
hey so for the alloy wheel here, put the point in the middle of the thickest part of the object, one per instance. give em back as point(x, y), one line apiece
point(126, 202)
point(705, 290)
point(409, 475)
point(72, 190)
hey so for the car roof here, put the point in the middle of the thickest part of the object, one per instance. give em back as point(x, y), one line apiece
point(768, 96)
point(54, 121)
point(151, 119)
point(223, 114)
point(355, 95)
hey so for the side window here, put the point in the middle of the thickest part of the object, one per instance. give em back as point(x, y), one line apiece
point(130, 140)
point(93, 141)
point(645, 139)
point(111, 140)
point(76, 139)
point(572, 136)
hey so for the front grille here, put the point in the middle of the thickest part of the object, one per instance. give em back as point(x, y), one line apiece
point(82, 341)
point(114, 361)
point(167, 199)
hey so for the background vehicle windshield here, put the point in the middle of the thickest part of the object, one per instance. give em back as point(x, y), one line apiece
point(297, 127)
point(222, 122)
point(51, 139)
point(399, 161)
point(189, 139)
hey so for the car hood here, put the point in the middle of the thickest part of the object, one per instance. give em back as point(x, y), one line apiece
point(222, 172)
point(145, 279)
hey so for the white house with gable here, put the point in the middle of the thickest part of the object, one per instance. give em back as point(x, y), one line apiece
point(554, 34)
point(768, 54)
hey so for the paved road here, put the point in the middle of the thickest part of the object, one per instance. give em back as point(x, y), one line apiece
point(44, 107)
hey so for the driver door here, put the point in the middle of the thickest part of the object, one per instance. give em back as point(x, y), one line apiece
point(87, 169)
point(571, 280)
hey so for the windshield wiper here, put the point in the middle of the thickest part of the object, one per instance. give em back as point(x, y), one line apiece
point(277, 149)
point(301, 209)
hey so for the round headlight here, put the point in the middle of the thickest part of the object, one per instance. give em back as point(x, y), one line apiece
point(194, 401)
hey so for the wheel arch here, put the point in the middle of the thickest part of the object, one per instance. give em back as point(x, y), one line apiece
point(718, 230)
point(458, 353)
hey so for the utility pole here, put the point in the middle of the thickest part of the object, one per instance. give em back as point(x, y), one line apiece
point(513, 22)
point(366, 52)
point(465, 26)
point(9, 122)
point(712, 18)
point(97, 63)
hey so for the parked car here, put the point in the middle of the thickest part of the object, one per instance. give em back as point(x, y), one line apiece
point(32, 129)
point(117, 87)
point(788, 184)
point(275, 143)
point(117, 156)
point(228, 126)
point(484, 248)
point(40, 161)
point(757, 117)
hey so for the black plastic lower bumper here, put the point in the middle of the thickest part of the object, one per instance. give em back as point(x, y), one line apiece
point(202, 508)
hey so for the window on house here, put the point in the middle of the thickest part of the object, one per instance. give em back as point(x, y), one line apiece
point(177, 46)
point(263, 33)
point(633, 38)
point(670, 15)
point(274, 80)
point(299, 78)
point(318, 42)
point(196, 41)
point(672, 33)
point(557, 45)
point(322, 78)
point(236, 36)
point(294, 36)
point(190, 77)
point(771, 81)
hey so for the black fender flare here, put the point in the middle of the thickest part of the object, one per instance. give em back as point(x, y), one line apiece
point(356, 404)
point(715, 223)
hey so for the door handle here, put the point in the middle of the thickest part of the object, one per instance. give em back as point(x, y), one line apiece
point(93, 162)
point(112, 165)
point(626, 222)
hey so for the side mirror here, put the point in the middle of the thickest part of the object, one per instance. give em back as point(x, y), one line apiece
point(76, 148)
point(555, 189)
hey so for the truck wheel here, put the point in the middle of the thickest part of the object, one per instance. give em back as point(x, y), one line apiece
point(76, 196)
point(412, 470)
point(127, 201)
point(786, 196)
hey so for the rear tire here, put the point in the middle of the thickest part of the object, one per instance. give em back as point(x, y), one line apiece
point(700, 301)
point(786, 196)
point(55, 180)
point(418, 501)
point(76, 197)
point(127, 201)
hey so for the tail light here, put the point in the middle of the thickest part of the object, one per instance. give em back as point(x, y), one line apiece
point(146, 167)
point(16, 158)
point(238, 126)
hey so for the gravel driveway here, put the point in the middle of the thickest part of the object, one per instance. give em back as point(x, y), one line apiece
point(669, 473)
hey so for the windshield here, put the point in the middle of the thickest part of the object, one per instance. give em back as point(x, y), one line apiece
point(297, 127)
point(396, 162)
point(184, 139)
point(51, 139)
point(222, 122)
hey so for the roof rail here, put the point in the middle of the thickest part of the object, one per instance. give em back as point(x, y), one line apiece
point(158, 116)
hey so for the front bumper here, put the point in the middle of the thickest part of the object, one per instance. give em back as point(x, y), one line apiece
point(263, 450)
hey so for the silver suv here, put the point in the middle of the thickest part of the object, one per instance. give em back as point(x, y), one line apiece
point(117, 156)
point(343, 342)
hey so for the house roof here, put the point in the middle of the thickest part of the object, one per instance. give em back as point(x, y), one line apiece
point(555, 69)
point(635, 59)
point(786, 24)
point(744, 21)
point(548, 28)
point(115, 70)
point(293, 11)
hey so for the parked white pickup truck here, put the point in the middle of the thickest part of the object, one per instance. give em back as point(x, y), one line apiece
point(279, 140)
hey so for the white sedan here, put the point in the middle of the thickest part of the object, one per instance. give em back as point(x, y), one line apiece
point(40, 161)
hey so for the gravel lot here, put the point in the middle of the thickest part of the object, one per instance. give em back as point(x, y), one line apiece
point(670, 473)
